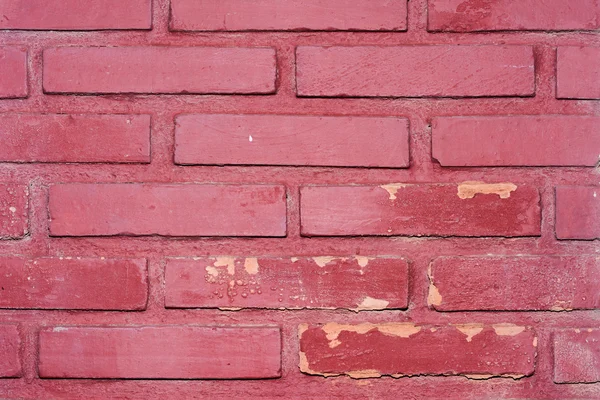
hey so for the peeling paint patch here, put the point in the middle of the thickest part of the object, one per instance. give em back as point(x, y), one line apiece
point(392, 189)
point(468, 190)
point(470, 330)
point(294, 259)
point(323, 260)
point(434, 298)
point(365, 373)
point(251, 266)
point(228, 262)
point(363, 261)
point(398, 329)
point(369, 303)
point(212, 271)
point(507, 329)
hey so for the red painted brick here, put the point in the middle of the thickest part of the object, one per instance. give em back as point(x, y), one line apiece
point(578, 212)
point(14, 211)
point(292, 140)
point(13, 72)
point(75, 14)
point(358, 283)
point(578, 73)
point(73, 283)
point(159, 70)
point(10, 343)
point(577, 356)
point(511, 15)
point(283, 15)
point(400, 349)
point(516, 141)
point(515, 283)
point(466, 209)
point(74, 138)
point(169, 210)
point(415, 71)
point(167, 352)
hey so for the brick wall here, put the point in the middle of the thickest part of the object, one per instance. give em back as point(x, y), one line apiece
point(299, 199)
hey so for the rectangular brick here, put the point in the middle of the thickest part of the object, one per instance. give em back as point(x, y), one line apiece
point(10, 360)
point(167, 209)
point(160, 352)
point(357, 283)
point(14, 211)
point(465, 209)
point(200, 70)
point(529, 283)
point(512, 15)
point(284, 15)
point(578, 212)
point(403, 349)
point(74, 138)
point(415, 71)
point(13, 73)
point(73, 283)
point(75, 14)
point(578, 73)
point(291, 140)
point(577, 356)
point(531, 140)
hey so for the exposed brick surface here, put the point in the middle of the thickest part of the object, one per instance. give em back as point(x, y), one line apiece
point(578, 212)
point(73, 283)
point(512, 15)
point(13, 72)
point(358, 283)
point(284, 15)
point(169, 210)
point(292, 140)
point(577, 356)
point(516, 141)
point(578, 73)
point(181, 352)
point(515, 283)
point(75, 14)
point(467, 209)
point(74, 138)
point(159, 70)
point(415, 71)
point(399, 349)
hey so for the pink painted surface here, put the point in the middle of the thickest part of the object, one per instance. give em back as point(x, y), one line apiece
point(578, 212)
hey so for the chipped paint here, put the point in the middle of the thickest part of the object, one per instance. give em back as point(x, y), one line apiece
point(323, 260)
point(507, 329)
point(535, 341)
point(398, 329)
point(228, 262)
point(364, 373)
point(392, 189)
point(468, 190)
point(251, 266)
point(369, 303)
point(212, 271)
point(363, 261)
point(294, 259)
point(470, 330)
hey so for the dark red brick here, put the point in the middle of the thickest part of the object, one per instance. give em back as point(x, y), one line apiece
point(403, 349)
point(465, 209)
point(167, 352)
point(516, 141)
point(515, 283)
point(578, 212)
point(291, 140)
point(512, 15)
point(285, 15)
point(13, 72)
point(358, 283)
point(73, 283)
point(578, 73)
point(13, 211)
point(577, 356)
point(167, 209)
point(415, 71)
point(10, 360)
point(159, 70)
point(75, 14)
point(74, 138)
